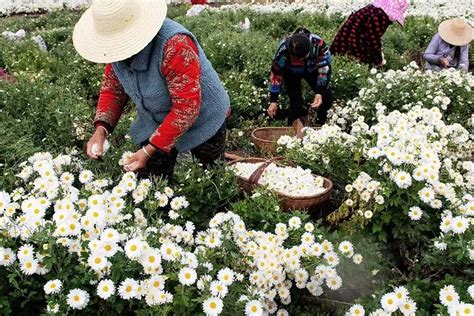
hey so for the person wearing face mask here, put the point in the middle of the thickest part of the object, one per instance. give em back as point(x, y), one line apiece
point(449, 48)
point(301, 56)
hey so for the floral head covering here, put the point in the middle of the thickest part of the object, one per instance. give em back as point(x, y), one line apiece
point(395, 9)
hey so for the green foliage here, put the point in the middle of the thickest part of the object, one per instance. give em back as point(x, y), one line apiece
point(206, 189)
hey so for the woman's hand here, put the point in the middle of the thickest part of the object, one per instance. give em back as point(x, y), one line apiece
point(96, 139)
point(272, 109)
point(318, 100)
point(139, 159)
point(443, 61)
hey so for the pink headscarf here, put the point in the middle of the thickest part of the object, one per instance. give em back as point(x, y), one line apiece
point(395, 9)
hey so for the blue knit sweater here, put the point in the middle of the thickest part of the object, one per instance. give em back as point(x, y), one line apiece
point(146, 86)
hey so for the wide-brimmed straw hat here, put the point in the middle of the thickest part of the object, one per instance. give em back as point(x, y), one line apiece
point(114, 30)
point(395, 9)
point(456, 32)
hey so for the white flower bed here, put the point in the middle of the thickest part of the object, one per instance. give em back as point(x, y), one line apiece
point(436, 8)
point(399, 300)
point(427, 89)
point(293, 181)
point(79, 224)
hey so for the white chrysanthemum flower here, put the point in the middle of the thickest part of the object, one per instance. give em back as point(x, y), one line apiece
point(309, 227)
point(389, 302)
point(446, 224)
point(356, 310)
point(379, 200)
point(105, 289)
point(294, 222)
point(426, 195)
point(187, 276)
point(346, 247)
point(253, 308)
point(156, 283)
point(7, 257)
point(86, 176)
point(357, 258)
point(368, 214)
point(459, 224)
point(218, 289)
point(379, 312)
point(212, 306)
point(408, 307)
point(25, 251)
point(401, 293)
point(134, 248)
point(52, 287)
point(448, 296)
point(226, 276)
point(169, 192)
point(332, 259)
point(282, 312)
point(29, 265)
point(334, 283)
point(97, 261)
point(470, 290)
point(77, 299)
point(128, 289)
point(151, 258)
point(415, 213)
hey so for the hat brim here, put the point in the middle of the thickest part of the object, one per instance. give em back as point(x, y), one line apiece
point(120, 45)
point(451, 37)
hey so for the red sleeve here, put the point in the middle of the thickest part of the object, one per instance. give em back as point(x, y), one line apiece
point(377, 24)
point(182, 70)
point(112, 100)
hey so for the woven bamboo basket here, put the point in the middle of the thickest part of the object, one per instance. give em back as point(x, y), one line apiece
point(287, 202)
point(265, 138)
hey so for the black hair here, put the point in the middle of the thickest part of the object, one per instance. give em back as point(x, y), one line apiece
point(299, 45)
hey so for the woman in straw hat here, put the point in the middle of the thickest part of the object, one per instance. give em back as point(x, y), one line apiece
point(160, 66)
point(361, 35)
point(449, 48)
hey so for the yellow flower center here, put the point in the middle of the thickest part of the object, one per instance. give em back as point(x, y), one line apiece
point(213, 305)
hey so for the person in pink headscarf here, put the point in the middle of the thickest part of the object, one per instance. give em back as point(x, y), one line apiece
point(361, 35)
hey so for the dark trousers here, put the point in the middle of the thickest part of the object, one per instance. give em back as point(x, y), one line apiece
point(298, 107)
point(162, 164)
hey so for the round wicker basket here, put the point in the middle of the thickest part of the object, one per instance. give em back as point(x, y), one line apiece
point(265, 138)
point(287, 202)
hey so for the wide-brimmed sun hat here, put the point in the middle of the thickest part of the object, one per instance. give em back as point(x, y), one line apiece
point(114, 30)
point(395, 9)
point(456, 32)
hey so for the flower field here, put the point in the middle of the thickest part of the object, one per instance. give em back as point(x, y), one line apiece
point(83, 237)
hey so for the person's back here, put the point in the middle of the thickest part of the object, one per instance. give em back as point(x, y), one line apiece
point(361, 35)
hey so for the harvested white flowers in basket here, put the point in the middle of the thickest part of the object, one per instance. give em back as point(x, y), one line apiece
point(296, 187)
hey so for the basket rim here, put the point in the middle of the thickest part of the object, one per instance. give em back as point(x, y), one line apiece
point(256, 130)
point(305, 197)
